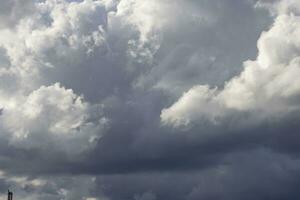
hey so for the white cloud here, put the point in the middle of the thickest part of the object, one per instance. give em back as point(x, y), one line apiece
point(144, 20)
point(50, 114)
point(268, 84)
point(57, 37)
point(57, 32)
point(187, 107)
point(149, 20)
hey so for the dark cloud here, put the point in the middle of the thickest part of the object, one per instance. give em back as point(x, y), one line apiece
point(115, 100)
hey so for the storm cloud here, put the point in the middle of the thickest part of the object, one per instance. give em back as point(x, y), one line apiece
point(150, 99)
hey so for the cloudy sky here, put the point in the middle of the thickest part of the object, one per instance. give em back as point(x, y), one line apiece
point(150, 99)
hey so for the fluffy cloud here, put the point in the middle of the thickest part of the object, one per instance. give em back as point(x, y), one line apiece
point(186, 59)
point(267, 84)
point(85, 86)
point(56, 33)
point(50, 116)
point(55, 37)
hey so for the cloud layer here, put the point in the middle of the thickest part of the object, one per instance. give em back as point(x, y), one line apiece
point(149, 99)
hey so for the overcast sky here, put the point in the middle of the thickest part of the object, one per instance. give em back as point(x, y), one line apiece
point(150, 99)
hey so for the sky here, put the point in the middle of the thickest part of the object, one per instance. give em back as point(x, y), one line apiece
point(150, 99)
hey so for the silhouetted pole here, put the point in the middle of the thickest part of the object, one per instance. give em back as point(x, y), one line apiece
point(9, 195)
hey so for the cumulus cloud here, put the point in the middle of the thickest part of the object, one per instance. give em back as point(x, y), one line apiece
point(59, 31)
point(86, 88)
point(267, 84)
point(46, 112)
point(49, 116)
point(187, 59)
point(38, 54)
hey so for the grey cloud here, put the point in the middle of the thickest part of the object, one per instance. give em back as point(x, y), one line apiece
point(12, 11)
point(266, 83)
point(195, 49)
point(256, 174)
point(84, 83)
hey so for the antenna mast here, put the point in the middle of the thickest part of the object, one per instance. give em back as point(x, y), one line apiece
point(9, 195)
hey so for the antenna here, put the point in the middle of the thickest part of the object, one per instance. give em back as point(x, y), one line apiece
point(9, 195)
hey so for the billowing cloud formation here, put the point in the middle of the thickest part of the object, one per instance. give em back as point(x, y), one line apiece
point(268, 84)
point(149, 99)
point(49, 116)
point(58, 32)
